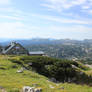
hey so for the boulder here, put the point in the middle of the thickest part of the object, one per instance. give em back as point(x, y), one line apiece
point(28, 89)
point(38, 90)
point(20, 71)
point(31, 89)
point(73, 66)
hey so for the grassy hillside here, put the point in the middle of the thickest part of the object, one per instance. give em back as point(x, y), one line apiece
point(12, 81)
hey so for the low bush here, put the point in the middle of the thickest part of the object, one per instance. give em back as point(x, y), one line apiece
point(60, 69)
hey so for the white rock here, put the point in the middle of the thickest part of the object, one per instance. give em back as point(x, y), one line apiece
point(20, 71)
point(28, 89)
point(73, 66)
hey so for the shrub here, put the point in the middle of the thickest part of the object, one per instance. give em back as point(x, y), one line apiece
point(60, 69)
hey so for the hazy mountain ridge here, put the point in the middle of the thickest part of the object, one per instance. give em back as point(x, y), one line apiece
point(46, 41)
point(63, 48)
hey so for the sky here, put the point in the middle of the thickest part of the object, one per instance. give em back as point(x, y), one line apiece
point(57, 19)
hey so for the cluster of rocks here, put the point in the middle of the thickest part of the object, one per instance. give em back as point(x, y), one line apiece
point(31, 89)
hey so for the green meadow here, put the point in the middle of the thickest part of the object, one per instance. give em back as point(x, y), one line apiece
point(12, 81)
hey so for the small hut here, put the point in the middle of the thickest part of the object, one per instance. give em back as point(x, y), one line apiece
point(14, 49)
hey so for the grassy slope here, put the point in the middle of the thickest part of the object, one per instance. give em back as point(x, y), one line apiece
point(9, 79)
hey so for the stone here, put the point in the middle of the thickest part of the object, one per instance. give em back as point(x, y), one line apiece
point(38, 90)
point(20, 71)
point(28, 89)
point(73, 66)
point(31, 89)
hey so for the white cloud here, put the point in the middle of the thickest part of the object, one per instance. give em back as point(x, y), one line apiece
point(8, 29)
point(20, 30)
point(3, 9)
point(89, 11)
point(72, 32)
point(85, 7)
point(5, 2)
point(78, 2)
point(59, 5)
point(76, 7)
point(64, 20)
point(17, 30)
point(11, 17)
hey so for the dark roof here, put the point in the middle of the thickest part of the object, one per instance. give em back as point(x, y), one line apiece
point(36, 53)
point(9, 47)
